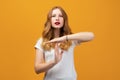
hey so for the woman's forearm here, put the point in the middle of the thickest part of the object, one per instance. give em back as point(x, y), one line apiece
point(82, 36)
point(43, 67)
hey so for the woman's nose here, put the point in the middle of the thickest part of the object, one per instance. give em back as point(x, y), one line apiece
point(57, 18)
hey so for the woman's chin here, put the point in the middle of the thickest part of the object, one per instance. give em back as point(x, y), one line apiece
point(57, 27)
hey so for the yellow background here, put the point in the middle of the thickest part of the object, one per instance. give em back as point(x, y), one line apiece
point(21, 24)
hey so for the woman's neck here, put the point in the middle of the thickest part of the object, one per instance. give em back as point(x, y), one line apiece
point(56, 33)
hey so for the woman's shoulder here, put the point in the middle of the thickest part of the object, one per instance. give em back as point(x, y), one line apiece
point(38, 44)
point(40, 39)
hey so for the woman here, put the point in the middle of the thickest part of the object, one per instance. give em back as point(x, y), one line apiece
point(54, 50)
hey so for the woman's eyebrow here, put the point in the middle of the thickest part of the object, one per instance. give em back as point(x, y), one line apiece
point(53, 14)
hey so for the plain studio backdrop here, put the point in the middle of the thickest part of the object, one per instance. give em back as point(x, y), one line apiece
point(22, 22)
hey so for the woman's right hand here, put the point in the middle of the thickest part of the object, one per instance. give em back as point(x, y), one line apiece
point(58, 55)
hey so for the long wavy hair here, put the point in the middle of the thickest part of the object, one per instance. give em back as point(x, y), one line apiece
point(48, 32)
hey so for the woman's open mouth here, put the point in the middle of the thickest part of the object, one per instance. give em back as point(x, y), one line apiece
point(57, 23)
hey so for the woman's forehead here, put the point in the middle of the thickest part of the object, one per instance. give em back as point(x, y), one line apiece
point(56, 11)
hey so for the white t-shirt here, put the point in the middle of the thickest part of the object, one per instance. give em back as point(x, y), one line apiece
point(64, 70)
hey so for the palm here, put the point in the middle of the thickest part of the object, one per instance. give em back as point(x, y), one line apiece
point(58, 55)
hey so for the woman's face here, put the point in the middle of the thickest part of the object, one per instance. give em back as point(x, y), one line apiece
point(57, 19)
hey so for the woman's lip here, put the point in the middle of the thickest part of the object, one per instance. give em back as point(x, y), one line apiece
point(57, 23)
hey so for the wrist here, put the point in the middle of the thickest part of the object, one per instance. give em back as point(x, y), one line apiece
point(52, 63)
point(64, 38)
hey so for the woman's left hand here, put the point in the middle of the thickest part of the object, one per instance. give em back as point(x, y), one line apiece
point(60, 39)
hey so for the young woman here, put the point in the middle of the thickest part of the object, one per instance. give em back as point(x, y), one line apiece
point(54, 50)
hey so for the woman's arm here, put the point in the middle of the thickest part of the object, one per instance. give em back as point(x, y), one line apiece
point(81, 37)
point(40, 65)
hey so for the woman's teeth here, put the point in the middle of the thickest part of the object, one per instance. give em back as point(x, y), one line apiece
point(57, 23)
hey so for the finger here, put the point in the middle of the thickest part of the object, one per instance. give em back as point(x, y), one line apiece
point(47, 42)
point(54, 40)
point(56, 48)
point(61, 52)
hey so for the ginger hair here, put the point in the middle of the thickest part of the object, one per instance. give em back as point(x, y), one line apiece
point(48, 32)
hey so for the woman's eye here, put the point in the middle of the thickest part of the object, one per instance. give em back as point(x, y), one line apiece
point(61, 15)
point(57, 15)
point(53, 15)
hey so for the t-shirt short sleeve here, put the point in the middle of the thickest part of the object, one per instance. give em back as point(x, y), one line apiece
point(38, 44)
